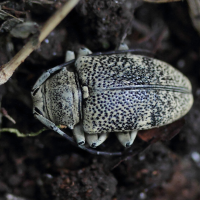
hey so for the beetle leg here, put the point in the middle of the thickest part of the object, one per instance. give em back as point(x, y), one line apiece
point(124, 138)
point(94, 141)
point(100, 140)
point(79, 134)
point(84, 52)
point(123, 46)
point(69, 56)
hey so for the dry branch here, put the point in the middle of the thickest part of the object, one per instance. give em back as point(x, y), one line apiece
point(7, 69)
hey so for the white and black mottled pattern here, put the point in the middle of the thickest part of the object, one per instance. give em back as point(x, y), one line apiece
point(128, 92)
point(61, 99)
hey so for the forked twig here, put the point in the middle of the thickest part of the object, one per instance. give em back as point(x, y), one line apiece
point(7, 69)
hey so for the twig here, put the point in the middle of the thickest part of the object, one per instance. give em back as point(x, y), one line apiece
point(16, 12)
point(5, 13)
point(5, 114)
point(41, 2)
point(7, 69)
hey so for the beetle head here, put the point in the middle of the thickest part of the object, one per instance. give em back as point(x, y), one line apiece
point(59, 99)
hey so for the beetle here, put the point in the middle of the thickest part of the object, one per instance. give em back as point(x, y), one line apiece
point(96, 94)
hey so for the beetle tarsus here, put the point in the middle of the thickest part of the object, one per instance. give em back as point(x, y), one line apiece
point(81, 143)
point(128, 144)
point(53, 127)
point(69, 56)
point(93, 145)
point(101, 139)
point(91, 139)
point(79, 134)
point(133, 135)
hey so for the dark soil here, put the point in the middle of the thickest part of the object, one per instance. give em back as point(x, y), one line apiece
point(49, 167)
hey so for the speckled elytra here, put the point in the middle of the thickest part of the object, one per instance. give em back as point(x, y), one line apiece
point(119, 92)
